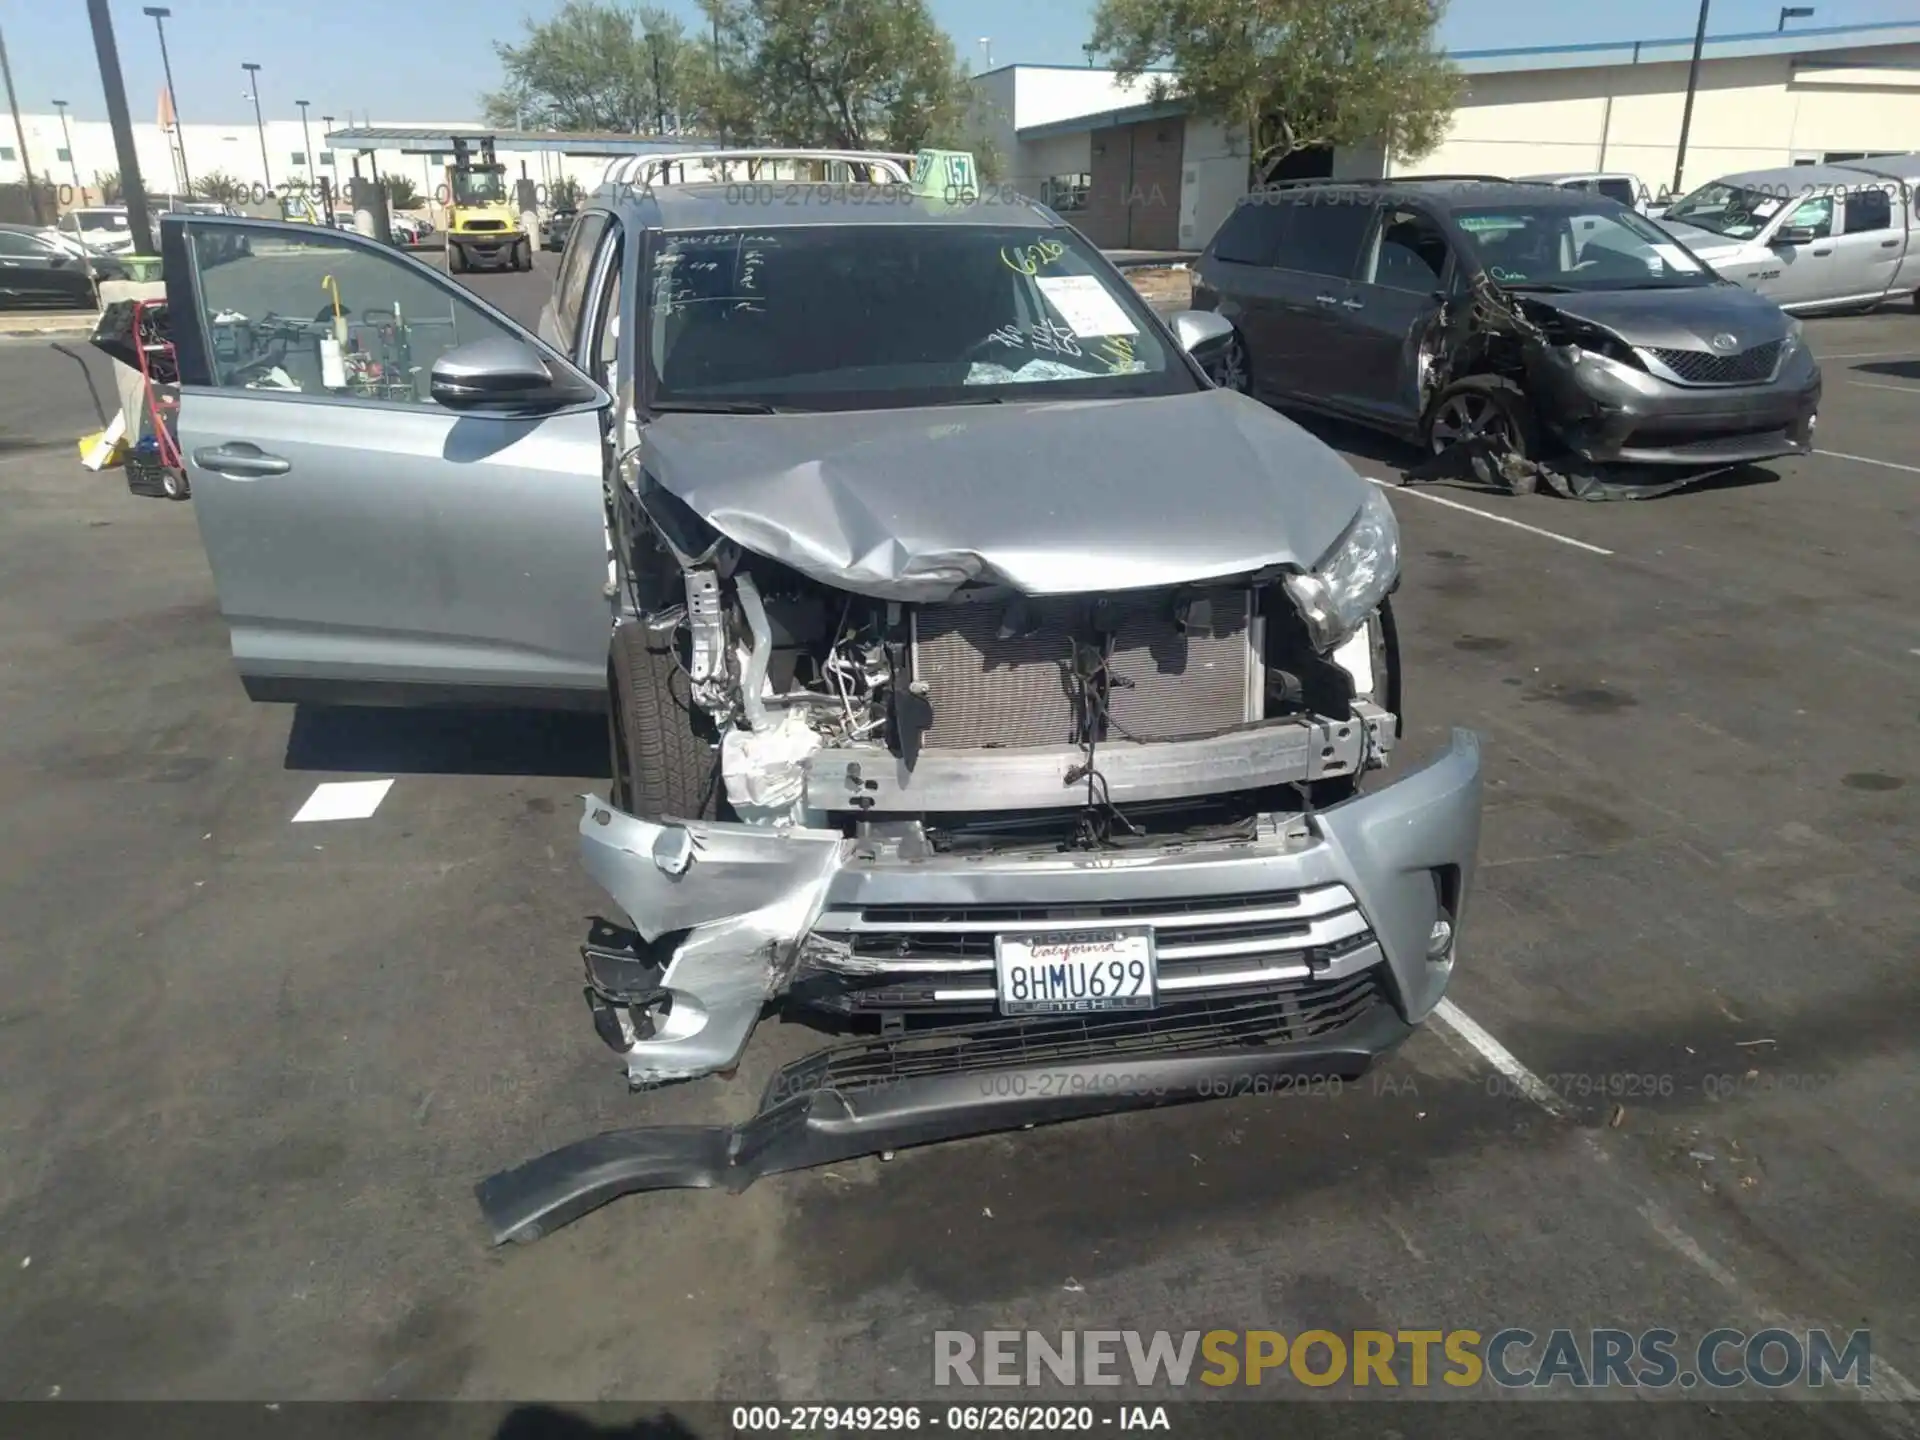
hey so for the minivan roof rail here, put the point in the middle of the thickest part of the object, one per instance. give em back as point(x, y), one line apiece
point(655, 169)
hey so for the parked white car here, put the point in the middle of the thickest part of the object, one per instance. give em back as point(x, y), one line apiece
point(1614, 184)
point(104, 230)
point(1809, 237)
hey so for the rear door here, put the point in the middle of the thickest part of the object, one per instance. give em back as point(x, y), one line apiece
point(1405, 267)
point(1872, 238)
point(369, 545)
point(1322, 342)
point(1238, 268)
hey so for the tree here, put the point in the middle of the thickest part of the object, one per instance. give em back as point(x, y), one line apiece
point(219, 186)
point(1293, 73)
point(107, 182)
point(564, 193)
point(844, 74)
point(593, 66)
point(402, 193)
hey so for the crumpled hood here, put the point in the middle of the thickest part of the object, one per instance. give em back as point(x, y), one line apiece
point(1675, 319)
point(1052, 497)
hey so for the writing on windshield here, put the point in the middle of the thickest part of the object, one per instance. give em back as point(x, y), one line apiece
point(1577, 250)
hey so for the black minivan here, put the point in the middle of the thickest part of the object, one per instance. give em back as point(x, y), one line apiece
point(1526, 318)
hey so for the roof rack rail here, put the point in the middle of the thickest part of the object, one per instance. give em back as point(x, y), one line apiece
point(1383, 180)
point(643, 170)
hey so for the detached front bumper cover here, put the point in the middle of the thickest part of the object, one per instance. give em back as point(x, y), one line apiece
point(733, 905)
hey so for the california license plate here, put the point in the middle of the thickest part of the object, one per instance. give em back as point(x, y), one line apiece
point(1065, 971)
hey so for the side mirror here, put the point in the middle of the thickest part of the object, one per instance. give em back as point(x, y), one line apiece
point(499, 372)
point(1197, 329)
point(1793, 235)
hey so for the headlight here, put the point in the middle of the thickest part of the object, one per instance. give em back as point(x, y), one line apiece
point(1350, 582)
point(1794, 331)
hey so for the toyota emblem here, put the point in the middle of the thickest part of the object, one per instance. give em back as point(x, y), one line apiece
point(1724, 344)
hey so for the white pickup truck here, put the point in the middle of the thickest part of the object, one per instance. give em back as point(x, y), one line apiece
point(1810, 238)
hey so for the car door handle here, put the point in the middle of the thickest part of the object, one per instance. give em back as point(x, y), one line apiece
point(1827, 251)
point(241, 460)
point(1352, 304)
point(1888, 244)
point(1325, 300)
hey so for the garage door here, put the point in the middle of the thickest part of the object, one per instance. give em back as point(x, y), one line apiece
point(1133, 202)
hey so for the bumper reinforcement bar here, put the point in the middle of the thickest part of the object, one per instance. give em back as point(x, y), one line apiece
point(864, 1096)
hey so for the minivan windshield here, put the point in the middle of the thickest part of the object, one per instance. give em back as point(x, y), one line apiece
point(1608, 247)
point(1726, 210)
point(844, 317)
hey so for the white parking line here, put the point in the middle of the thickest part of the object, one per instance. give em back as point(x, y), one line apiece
point(1876, 385)
point(1869, 460)
point(1867, 355)
point(1487, 515)
point(343, 800)
point(1501, 1058)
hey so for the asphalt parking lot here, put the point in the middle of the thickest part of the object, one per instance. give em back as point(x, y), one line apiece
point(250, 1069)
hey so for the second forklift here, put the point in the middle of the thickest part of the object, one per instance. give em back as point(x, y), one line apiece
point(484, 231)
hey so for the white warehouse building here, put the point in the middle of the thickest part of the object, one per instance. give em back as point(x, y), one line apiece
point(1135, 174)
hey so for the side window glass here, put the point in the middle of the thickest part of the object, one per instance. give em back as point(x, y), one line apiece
point(12, 242)
point(604, 358)
point(1815, 214)
point(323, 316)
point(1252, 233)
point(1868, 209)
point(1411, 254)
point(1324, 236)
point(1619, 190)
point(576, 266)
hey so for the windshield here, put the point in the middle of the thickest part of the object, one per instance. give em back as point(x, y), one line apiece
point(478, 187)
point(1567, 249)
point(102, 220)
point(1726, 210)
point(842, 317)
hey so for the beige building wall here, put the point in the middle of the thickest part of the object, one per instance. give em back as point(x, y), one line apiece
point(1749, 114)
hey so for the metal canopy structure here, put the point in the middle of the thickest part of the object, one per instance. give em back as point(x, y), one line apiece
point(416, 140)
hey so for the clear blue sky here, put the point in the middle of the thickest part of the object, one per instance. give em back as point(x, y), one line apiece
point(430, 59)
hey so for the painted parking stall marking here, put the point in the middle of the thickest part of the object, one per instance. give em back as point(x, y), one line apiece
point(1487, 515)
point(343, 800)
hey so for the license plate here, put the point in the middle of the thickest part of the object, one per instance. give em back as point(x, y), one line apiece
point(1065, 971)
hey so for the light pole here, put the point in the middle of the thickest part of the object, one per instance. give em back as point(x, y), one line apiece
point(306, 139)
point(986, 49)
point(20, 134)
point(659, 100)
point(160, 14)
point(1693, 81)
point(66, 130)
point(333, 162)
point(253, 78)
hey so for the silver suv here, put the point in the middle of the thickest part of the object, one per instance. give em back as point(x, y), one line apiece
point(985, 682)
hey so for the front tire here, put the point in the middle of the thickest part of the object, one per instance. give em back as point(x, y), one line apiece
point(456, 260)
point(664, 762)
point(1489, 409)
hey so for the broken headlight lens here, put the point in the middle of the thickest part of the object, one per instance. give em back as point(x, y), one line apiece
point(1349, 584)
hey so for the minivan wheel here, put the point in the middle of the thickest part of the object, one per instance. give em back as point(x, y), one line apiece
point(1228, 370)
point(1485, 408)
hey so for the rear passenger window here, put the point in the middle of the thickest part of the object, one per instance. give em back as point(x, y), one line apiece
point(576, 265)
point(1325, 235)
point(1868, 209)
point(1620, 190)
point(1252, 233)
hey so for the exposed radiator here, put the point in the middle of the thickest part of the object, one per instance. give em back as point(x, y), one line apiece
point(1170, 680)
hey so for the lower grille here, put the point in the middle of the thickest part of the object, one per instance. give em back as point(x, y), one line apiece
point(1704, 367)
point(1170, 680)
point(483, 225)
point(1301, 1010)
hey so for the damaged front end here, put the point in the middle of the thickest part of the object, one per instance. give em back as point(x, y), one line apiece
point(913, 783)
point(1611, 418)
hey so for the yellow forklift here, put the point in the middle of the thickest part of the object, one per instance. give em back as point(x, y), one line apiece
point(483, 223)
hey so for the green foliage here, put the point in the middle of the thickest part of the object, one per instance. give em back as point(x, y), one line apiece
point(853, 74)
point(220, 186)
point(565, 193)
point(107, 182)
point(402, 193)
point(592, 67)
point(1294, 73)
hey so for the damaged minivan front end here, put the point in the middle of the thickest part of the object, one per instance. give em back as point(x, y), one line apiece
point(1041, 828)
